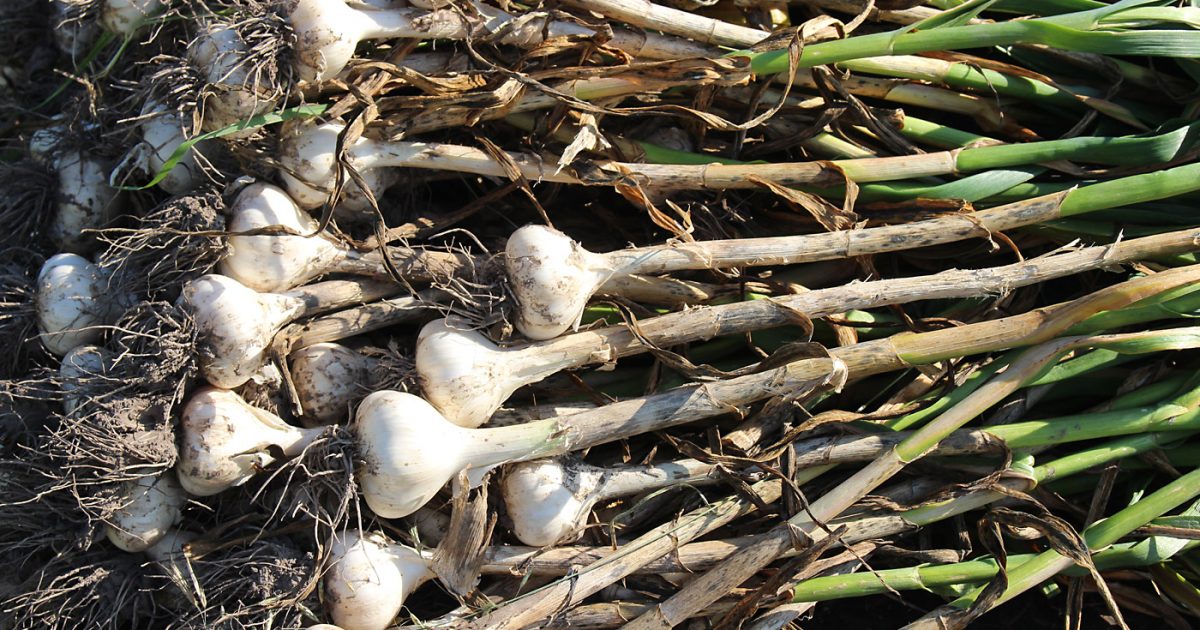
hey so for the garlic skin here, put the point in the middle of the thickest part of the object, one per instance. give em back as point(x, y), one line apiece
point(329, 378)
point(162, 134)
point(70, 303)
point(236, 326)
point(225, 441)
point(369, 579)
point(410, 451)
point(154, 505)
point(123, 17)
point(85, 201)
point(308, 161)
point(277, 262)
point(80, 363)
point(467, 377)
point(548, 503)
point(232, 94)
point(553, 278)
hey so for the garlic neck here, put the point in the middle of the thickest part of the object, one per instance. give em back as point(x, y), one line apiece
point(630, 480)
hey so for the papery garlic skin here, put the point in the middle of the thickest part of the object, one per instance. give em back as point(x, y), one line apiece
point(369, 579)
point(162, 135)
point(275, 262)
point(154, 505)
point(123, 17)
point(231, 95)
point(309, 163)
point(467, 377)
point(225, 441)
point(81, 362)
point(85, 200)
point(70, 303)
point(236, 326)
point(328, 378)
point(553, 278)
point(410, 451)
point(547, 501)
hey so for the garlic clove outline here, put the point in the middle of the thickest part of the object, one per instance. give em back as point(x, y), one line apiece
point(552, 277)
point(369, 579)
point(276, 262)
point(70, 303)
point(236, 325)
point(329, 378)
point(225, 441)
point(153, 505)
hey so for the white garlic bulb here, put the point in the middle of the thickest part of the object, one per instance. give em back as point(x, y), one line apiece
point(153, 504)
point(369, 579)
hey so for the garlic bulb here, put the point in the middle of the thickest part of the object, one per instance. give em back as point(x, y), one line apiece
point(329, 379)
point(328, 31)
point(549, 500)
point(308, 160)
point(84, 201)
point(410, 451)
point(278, 262)
point(369, 579)
point(553, 278)
point(232, 94)
point(162, 134)
point(467, 377)
point(81, 362)
point(152, 506)
point(236, 325)
point(226, 441)
point(71, 303)
point(123, 17)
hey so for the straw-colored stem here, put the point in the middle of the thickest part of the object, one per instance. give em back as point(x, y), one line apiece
point(331, 295)
point(738, 568)
point(357, 321)
point(656, 17)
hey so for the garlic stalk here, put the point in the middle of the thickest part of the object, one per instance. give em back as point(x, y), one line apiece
point(71, 303)
point(549, 500)
point(279, 261)
point(84, 201)
point(152, 506)
point(226, 441)
point(236, 325)
point(369, 579)
point(467, 377)
point(329, 378)
point(552, 276)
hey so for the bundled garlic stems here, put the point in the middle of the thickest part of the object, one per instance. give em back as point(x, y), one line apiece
point(236, 325)
point(152, 507)
point(369, 579)
point(294, 254)
point(553, 277)
point(549, 500)
point(226, 441)
point(467, 377)
point(72, 303)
